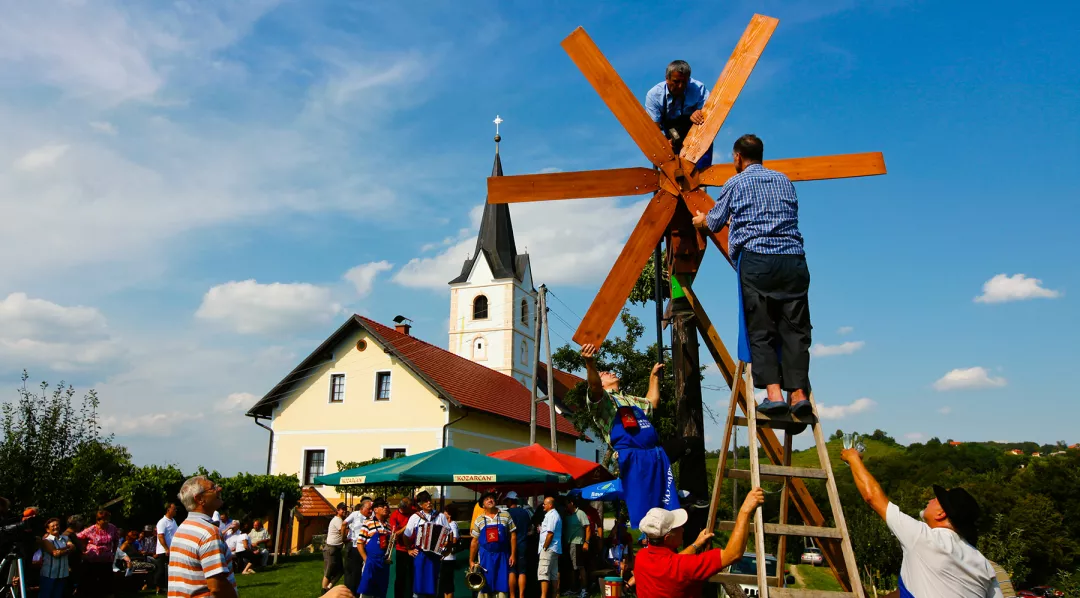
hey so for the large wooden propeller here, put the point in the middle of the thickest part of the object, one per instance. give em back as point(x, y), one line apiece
point(673, 179)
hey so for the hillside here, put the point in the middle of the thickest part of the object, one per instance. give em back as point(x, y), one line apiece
point(809, 457)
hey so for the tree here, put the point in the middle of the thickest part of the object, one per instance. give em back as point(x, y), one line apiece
point(365, 490)
point(146, 490)
point(1007, 546)
point(53, 455)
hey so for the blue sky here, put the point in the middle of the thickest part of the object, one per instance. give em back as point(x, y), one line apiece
point(197, 193)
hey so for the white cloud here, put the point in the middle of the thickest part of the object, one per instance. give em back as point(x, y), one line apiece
point(573, 242)
point(946, 410)
point(237, 402)
point(42, 157)
point(1018, 287)
point(102, 126)
point(149, 424)
point(250, 307)
point(845, 330)
point(820, 350)
point(914, 436)
point(363, 276)
point(842, 411)
point(969, 378)
point(38, 332)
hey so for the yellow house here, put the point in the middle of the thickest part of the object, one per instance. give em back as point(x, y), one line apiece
point(375, 391)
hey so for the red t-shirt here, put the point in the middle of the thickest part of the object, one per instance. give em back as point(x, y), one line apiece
point(594, 519)
point(661, 573)
point(398, 521)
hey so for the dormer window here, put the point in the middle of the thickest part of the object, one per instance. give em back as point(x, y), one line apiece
point(480, 308)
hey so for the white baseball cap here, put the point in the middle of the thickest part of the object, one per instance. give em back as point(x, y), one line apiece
point(511, 495)
point(658, 522)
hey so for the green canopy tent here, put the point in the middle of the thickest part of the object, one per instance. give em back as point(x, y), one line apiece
point(443, 467)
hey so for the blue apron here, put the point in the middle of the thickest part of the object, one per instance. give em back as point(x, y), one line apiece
point(904, 593)
point(744, 338)
point(426, 566)
point(643, 468)
point(376, 576)
point(495, 557)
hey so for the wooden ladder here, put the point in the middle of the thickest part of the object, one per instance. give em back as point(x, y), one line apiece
point(783, 473)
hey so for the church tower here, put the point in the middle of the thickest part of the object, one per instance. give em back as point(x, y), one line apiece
point(492, 301)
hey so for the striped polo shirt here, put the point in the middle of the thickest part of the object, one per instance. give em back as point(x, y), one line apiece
point(196, 553)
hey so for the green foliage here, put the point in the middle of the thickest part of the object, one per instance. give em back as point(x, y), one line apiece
point(255, 496)
point(1007, 545)
point(364, 490)
point(146, 490)
point(876, 549)
point(644, 289)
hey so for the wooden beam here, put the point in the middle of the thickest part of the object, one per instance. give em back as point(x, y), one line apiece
point(618, 97)
point(611, 298)
point(615, 182)
point(731, 81)
point(800, 494)
point(817, 168)
point(777, 529)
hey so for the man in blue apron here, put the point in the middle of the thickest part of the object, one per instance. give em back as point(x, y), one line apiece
point(494, 547)
point(761, 209)
point(644, 464)
point(426, 564)
point(373, 544)
point(676, 104)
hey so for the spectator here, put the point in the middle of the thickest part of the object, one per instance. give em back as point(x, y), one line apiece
point(259, 536)
point(74, 526)
point(223, 524)
point(577, 532)
point(403, 568)
point(129, 557)
point(335, 538)
point(198, 557)
point(449, 561)
point(522, 518)
point(55, 548)
point(619, 547)
point(240, 547)
point(148, 541)
point(166, 528)
point(354, 563)
point(550, 548)
point(101, 540)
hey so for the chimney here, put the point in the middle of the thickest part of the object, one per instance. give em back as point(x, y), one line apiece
point(402, 324)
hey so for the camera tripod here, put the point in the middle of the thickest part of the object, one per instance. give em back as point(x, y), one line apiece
point(7, 590)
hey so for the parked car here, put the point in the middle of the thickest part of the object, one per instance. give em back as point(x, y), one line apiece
point(1047, 592)
point(812, 556)
point(747, 565)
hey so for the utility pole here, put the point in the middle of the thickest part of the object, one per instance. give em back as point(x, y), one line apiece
point(658, 299)
point(550, 370)
point(535, 368)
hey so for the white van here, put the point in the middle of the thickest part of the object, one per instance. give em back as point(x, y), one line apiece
point(746, 568)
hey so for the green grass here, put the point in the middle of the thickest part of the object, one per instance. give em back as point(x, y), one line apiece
point(816, 578)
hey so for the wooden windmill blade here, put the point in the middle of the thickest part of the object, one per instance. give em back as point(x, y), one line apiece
point(614, 182)
point(728, 85)
point(618, 97)
point(612, 295)
point(817, 168)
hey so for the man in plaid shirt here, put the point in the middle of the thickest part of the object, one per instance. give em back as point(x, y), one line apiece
point(762, 211)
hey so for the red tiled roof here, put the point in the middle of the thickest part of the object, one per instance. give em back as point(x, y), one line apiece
point(313, 504)
point(564, 381)
point(472, 385)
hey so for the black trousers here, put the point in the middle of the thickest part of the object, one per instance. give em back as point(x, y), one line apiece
point(354, 567)
point(774, 293)
point(161, 571)
point(403, 574)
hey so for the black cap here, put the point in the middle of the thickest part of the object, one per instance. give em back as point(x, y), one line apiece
point(379, 502)
point(963, 511)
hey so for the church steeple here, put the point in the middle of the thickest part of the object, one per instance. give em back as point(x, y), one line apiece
point(496, 239)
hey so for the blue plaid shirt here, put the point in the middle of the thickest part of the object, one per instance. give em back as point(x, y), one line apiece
point(763, 210)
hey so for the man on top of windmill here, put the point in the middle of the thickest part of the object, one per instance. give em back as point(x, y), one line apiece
point(762, 210)
point(676, 103)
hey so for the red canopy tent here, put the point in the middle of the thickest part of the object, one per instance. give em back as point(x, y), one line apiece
point(582, 472)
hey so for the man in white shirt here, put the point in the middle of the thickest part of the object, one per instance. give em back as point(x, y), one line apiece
point(166, 527)
point(940, 558)
point(354, 563)
point(240, 545)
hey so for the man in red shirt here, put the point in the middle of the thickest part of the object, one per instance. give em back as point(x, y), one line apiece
point(403, 565)
point(661, 573)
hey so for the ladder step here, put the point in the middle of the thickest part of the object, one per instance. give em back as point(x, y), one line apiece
point(777, 529)
point(793, 593)
point(746, 580)
point(777, 473)
point(782, 422)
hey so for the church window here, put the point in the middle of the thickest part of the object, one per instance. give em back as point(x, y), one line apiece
point(524, 352)
point(525, 311)
point(480, 308)
point(479, 347)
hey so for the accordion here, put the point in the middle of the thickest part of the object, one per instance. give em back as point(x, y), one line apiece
point(433, 538)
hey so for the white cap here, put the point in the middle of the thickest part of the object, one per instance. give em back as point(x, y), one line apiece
point(658, 522)
point(511, 495)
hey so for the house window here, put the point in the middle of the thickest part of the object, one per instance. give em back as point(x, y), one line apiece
point(337, 388)
point(524, 352)
point(479, 348)
point(314, 465)
point(524, 311)
point(480, 308)
point(382, 386)
point(393, 453)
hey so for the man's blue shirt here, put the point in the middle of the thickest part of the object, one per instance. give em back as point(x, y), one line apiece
point(764, 213)
point(692, 100)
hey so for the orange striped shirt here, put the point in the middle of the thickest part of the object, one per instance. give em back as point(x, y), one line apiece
point(197, 552)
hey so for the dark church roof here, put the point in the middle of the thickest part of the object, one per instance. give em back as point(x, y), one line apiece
point(496, 240)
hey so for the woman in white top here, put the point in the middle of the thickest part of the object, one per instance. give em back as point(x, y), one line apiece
point(54, 561)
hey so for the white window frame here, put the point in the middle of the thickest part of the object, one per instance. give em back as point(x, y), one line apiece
point(375, 393)
point(303, 462)
point(396, 447)
point(330, 388)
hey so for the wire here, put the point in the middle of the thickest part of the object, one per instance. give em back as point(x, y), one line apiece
point(550, 292)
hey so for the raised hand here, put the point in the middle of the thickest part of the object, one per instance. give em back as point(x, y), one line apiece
point(753, 500)
point(588, 352)
point(656, 369)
